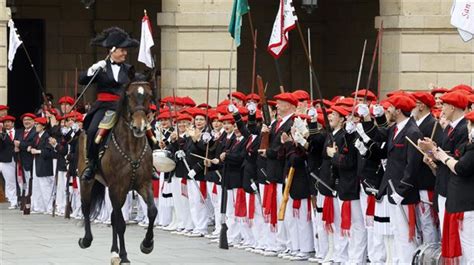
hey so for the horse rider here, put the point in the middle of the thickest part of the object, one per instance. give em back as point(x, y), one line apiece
point(112, 76)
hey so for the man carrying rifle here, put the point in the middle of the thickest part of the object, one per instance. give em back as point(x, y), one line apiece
point(7, 158)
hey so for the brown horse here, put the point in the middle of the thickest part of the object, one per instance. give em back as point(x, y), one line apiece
point(126, 165)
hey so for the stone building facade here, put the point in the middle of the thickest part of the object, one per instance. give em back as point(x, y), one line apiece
point(420, 47)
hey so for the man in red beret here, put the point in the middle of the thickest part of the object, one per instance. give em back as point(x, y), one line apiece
point(8, 158)
point(426, 179)
point(238, 98)
point(399, 182)
point(3, 110)
point(454, 136)
point(437, 94)
point(65, 104)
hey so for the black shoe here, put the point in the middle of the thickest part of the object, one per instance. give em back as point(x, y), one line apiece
point(89, 173)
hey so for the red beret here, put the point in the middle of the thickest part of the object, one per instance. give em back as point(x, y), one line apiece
point(470, 98)
point(204, 106)
point(253, 96)
point(457, 99)
point(259, 115)
point(153, 107)
point(198, 112)
point(287, 97)
point(341, 110)
point(224, 102)
point(3, 107)
point(8, 118)
point(187, 101)
point(173, 100)
point(239, 95)
point(348, 102)
point(213, 115)
point(437, 90)
point(402, 102)
point(326, 102)
point(29, 115)
point(243, 111)
point(436, 112)
point(73, 114)
point(245, 118)
point(463, 88)
point(165, 114)
point(336, 98)
point(184, 117)
point(361, 93)
point(41, 120)
point(469, 116)
point(222, 109)
point(396, 92)
point(425, 97)
point(301, 95)
point(228, 118)
point(66, 100)
point(271, 103)
point(385, 103)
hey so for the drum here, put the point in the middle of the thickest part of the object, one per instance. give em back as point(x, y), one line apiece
point(428, 254)
point(163, 161)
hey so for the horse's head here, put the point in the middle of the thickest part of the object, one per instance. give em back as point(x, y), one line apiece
point(138, 96)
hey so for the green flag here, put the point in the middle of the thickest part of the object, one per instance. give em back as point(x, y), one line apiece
point(241, 7)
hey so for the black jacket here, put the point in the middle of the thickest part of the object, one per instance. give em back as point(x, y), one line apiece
point(7, 147)
point(43, 161)
point(275, 161)
point(461, 185)
point(403, 160)
point(296, 158)
point(26, 139)
point(426, 179)
point(345, 162)
point(327, 172)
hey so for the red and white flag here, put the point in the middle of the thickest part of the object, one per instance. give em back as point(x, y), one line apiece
point(284, 22)
point(462, 17)
point(146, 42)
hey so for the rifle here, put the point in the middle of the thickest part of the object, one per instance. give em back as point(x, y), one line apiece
point(55, 190)
point(27, 208)
point(68, 210)
point(286, 194)
point(266, 113)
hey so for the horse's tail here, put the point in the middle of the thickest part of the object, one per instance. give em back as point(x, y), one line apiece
point(97, 199)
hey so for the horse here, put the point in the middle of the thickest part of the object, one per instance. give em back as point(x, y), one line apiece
point(126, 165)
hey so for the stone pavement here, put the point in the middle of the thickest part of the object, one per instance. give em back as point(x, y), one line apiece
point(44, 240)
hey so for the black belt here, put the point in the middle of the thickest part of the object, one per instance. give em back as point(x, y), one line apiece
point(319, 209)
point(382, 219)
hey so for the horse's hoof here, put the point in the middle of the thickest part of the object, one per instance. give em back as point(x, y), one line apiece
point(124, 262)
point(146, 249)
point(84, 243)
point(115, 259)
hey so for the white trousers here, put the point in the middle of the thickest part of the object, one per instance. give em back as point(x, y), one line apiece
point(300, 229)
point(441, 211)
point(41, 196)
point(9, 174)
point(320, 241)
point(165, 204)
point(257, 225)
point(76, 200)
point(181, 205)
point(216, 204)
point(337, 244)
point(198, 209)
point(403, 249)
point(467, 238)
point(357, 241)
point(61, 192)
point(277, 240)
point(424, 212)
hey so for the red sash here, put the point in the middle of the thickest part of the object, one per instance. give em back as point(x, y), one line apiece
point(451, 248)
point(328, 213)
point(346, 218)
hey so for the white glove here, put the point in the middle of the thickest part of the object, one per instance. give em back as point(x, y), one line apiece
point(361, 147)
point(191, 174)
point(252, 108)
point(65, 130)
point(95, 67)
point(471, 135)
point(378, 111)
point(75, 127)
point(298, 138)
point(397, 198)
point(180, 154)
point(232, 108)
point(206, 137)
point(361, 132)
point(350, 127)
point(362, 110)
point(313, 113)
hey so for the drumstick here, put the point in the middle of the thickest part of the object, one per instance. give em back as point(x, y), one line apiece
point(416, 146)
point(434, 130)
point(198, 156)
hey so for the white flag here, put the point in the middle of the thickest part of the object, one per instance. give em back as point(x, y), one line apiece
point(13, 44)
point(284, 22)
point(146, 42)
point(462, 17)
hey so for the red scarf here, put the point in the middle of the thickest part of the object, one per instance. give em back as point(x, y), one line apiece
point(451, 248)
point(214, 189)
point(346, 218)
point(328, 213)
point(240, 204)
point(184, 188)
point(370, 211)
point(252, 206)
point(156, 188)
point(203, 188)
point(296, 209)
point(411, 222)
point(270, 205)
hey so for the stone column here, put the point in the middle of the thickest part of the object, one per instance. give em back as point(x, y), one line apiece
point(194, 35)
point(420, 47)
point(4, 17)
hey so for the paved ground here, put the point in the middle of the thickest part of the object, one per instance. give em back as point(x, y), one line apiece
point(42, 240)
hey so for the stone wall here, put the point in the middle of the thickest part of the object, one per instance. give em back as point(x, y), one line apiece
point(420, 46)
point(4, 16)
point(195, 36)
point(69, 28)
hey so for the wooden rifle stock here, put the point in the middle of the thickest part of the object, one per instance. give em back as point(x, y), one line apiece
point(286, 194)
point(266, 112)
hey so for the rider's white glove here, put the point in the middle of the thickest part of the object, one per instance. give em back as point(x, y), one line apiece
point(191, 174)
point(95, 67)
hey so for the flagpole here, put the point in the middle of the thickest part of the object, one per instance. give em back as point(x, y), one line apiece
point(310, 71)
point(379, 82)
point(218, 86)
point(280, 80)
point(374, 56)
point(254, 61)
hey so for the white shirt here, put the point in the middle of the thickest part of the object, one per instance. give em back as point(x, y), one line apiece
point(12, 131)
point(335, 131)
point(400, 126)
point(115, 70)
point(456, 122)
point(420, 121)
point(284, 119)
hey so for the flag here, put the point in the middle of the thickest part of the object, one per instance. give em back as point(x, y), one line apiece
point(13, 44)
point(285, 21)
point(241, 7)
point(146, 42)
point(462, 17)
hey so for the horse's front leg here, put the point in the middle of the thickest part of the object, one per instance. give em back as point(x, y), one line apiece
point(86, 241)
point(119, 225)
point(114, 249)
point(147, 193)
